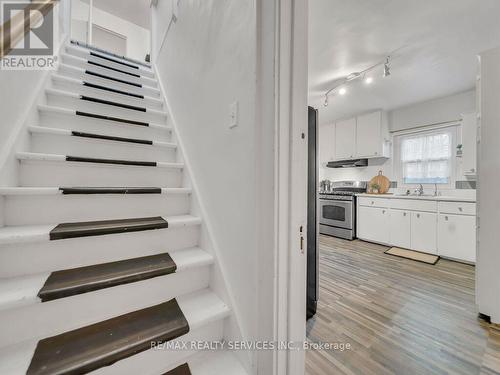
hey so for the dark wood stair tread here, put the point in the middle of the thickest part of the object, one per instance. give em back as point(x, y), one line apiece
point(75, 281)
point(98, 228)
point(181, 370)
point(110, 190)
point(81, 159)
point(111, 118)
point(111, 138)
point(102, 344)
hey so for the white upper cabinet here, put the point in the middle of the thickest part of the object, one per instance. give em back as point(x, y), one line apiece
point(326, 143)
point(469, 144)
point(369, 137)
point(364, 136)
point(345, 139)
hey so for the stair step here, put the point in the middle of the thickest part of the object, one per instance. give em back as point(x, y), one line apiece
point(200, 310)
point(82, 86)
point(215, 363)
point(63, 118)
point(101, 103)
point(31, 156)
point(99, 116)
point(104, 66)
point(104, 227)
point(24, 191)
point(101, 344)
point(112, 56)
point(180, 370)
point(61, 284)
point(108, 79)
point(24, 290)
point(74, 133)
point(41, 233)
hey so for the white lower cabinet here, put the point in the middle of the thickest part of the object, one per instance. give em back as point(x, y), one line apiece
point(400, 228)
point(424, 232)
point(373, 225)
point(447, 228)
point(457, 237)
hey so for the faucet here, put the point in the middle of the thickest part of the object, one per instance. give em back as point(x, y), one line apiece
point(420, 190)
point(435, 190)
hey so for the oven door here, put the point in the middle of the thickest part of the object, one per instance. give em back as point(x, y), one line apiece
point(336, 213)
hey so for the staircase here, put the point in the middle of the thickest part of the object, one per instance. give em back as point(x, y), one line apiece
point(100, 256)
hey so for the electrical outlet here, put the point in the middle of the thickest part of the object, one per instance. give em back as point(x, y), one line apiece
point(234, 115)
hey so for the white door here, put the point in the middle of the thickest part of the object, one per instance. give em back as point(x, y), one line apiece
point(345, 139)
point(368, 135)
point(457, 237)
point(423, 232)
point(326, 143)
point(400, 228)
point(373, 224)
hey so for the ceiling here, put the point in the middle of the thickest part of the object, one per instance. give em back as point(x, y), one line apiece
point(438, 41)
point(135, 11)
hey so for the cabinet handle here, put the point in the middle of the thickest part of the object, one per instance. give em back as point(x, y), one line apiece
point(446, 218)
point(383, 211)
point(418, 216)
point(460, 209)
point(373, 202)
point(404, 213)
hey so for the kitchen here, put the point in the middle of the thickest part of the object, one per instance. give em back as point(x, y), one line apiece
point(400, 104)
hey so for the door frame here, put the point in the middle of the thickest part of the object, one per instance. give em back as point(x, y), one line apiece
point(281, 131)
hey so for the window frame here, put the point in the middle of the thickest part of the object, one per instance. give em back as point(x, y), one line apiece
point(453, 129)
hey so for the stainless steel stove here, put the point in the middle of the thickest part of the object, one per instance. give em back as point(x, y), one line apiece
point(337, 208)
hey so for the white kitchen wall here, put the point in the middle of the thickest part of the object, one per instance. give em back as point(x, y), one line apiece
point(429, 112)
point(208, 62)
point(138, 38)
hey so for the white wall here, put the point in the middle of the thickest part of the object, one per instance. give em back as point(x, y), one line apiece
point(488, 257)
point(207, 62)
point(429, 112)
point(138, 38)
point(19, 92)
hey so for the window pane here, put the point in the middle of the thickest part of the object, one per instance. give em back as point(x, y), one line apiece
point(426, 158)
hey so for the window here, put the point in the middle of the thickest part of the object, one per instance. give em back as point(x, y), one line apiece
point(426, 158)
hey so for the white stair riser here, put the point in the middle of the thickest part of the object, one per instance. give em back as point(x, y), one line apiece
point(49, 209)
point(149, 91)
point(69, 60)
point(86, 90)
point(40, 320)
point(49, 173)
point(84, 53)
point(107, 109)
point(49, 256)
point(92, 125)
point(153, 362)
point(98, 148)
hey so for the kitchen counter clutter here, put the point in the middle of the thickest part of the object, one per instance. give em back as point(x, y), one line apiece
point(440, 225)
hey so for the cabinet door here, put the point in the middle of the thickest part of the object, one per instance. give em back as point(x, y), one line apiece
point(369, 135)
point(372, 224)
point(457, 237)
point(469, 143)
point(423, 232)
point(326, 143)
point(400, 228)
point(345, 139)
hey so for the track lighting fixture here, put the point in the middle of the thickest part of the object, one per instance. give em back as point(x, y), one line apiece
point(387, 67)
point(341, 86)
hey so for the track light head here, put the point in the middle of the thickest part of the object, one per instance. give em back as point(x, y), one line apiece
point(387, 67)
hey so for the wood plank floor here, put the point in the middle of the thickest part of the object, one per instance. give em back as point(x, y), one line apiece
point(399, 316)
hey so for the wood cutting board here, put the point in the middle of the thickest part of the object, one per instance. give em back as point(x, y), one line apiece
point(381, 181)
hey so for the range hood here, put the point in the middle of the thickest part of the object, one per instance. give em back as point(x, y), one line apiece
point(353, 163)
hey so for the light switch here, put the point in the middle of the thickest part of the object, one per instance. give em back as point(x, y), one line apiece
point(233, 121)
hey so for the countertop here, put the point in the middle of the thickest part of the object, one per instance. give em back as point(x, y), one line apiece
point(441, 198)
